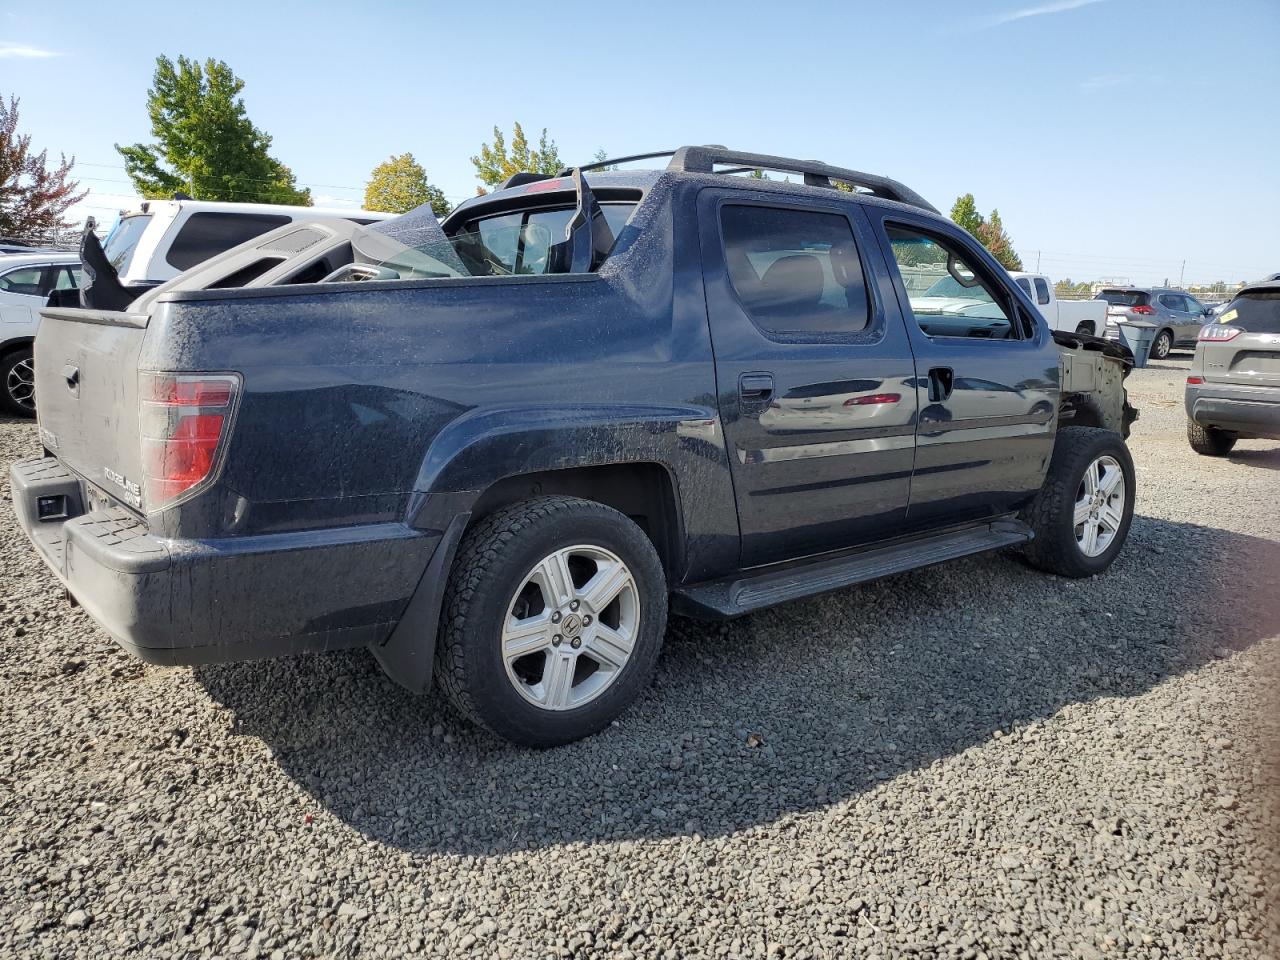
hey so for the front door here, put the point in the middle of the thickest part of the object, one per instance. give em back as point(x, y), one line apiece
point(814, 371)
point(988, 375)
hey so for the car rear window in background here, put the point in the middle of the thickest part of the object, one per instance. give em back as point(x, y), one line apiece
point(1124, 298)
point(123, 240)
point(1254, 312)
point(796, 272)
point(206, 235)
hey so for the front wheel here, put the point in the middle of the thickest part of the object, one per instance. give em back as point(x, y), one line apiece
point(18, 378)
point(553, 619)
point(1083, 512)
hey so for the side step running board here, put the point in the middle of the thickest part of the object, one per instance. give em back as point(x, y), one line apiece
point(724, 599)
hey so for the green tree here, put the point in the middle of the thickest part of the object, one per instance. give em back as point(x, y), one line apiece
point(399, 184)
point(34, 198)
point(495, 162)
point(989, 231)
point(207, 145)
point(965, 213)
point(600, 156)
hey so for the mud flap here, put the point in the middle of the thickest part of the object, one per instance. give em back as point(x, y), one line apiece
point(408, 653)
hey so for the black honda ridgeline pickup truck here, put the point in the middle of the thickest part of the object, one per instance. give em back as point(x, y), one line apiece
point(503, 445)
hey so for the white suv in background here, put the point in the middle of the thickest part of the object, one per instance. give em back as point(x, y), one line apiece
point(26, 280)
point(163, 238)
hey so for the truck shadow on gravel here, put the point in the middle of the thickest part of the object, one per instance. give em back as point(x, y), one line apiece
point(786, 711)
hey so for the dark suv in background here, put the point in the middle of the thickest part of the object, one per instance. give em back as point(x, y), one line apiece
point(1179, 315)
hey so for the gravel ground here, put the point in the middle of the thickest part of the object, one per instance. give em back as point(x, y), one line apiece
point(970, 761)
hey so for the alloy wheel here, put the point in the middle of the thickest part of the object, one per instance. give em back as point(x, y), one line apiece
point(21, 383)
point(571, 626)
point(1099, 509)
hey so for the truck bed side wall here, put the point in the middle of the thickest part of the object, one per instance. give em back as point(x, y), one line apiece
point(368, 403)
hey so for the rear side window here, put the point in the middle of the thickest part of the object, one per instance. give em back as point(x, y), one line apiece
point(1254, 312)
point(1172, 301)
point(948, 297)
point(25, 280)
point(1042, 291)
point(206, 235)
point(1124, 298)
point(1025, 284)
point(796, 272)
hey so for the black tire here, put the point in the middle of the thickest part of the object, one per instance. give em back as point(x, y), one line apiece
point(15, 376)
point(1162, 346)
point(1085, 327)
point(1052, 513)
point(493, 560)
point(1208, 441)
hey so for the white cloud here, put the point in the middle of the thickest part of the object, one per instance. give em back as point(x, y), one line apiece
point(23, 52)
point(1059, 6)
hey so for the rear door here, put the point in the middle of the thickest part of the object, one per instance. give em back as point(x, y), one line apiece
point(988, 375)
point(20, 296)
point(814, 371)
point(1175, 313)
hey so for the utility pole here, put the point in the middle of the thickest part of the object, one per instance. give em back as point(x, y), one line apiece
point(1037, 261)
point(1180, 274)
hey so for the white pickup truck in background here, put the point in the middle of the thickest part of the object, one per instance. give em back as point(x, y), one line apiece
point(1071, 316)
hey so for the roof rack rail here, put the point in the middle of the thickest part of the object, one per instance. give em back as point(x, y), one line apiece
point(601, 164)
point(815, 172)
point(523, 177)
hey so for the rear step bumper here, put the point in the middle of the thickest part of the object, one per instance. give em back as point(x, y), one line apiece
point(725, 599)
point(209, 601)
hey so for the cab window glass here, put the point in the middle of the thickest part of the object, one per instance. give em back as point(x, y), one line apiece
point(1042, 291)
point(796, 272)
point(948, 298)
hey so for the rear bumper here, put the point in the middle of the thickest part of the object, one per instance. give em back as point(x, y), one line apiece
point(206, 601)
point(1251, 411)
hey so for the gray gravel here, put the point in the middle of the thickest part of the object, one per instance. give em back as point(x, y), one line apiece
point(970, 761)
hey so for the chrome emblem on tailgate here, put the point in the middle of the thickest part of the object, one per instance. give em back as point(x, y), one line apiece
point(133, 491)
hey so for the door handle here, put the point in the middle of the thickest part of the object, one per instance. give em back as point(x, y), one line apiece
point(755, 387)
point(941, 381)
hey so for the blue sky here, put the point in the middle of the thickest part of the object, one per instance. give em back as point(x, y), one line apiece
point(1118, 138)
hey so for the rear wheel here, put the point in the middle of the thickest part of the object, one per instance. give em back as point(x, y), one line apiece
point(1082, 514)
point(554, 615)
point(18, 378)
point(1162, 346)
point(1208, 441)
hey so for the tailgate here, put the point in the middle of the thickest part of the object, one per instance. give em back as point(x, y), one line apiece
point(87, 396)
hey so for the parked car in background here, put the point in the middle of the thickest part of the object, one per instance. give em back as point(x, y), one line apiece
point(1069, 316)
point(1177, 315)
point(1233, 387)
point(26, 280)
point(162, 238)
point(503, 444)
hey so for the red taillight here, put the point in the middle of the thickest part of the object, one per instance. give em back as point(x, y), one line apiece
point(1195, 381)
point(1143, 310)
point(873, 398)
point(1214, 333)
point(184, 420)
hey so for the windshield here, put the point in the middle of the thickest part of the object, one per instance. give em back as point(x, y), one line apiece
point(123, 240)
point(1254, 312)
point(1123, 298)
point(519, 243)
